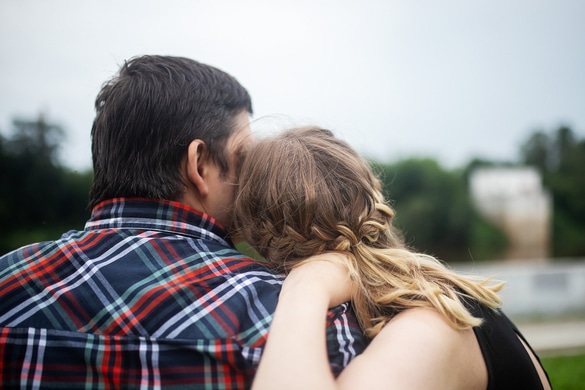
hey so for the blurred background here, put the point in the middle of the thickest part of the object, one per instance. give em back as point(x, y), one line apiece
point(472, 113)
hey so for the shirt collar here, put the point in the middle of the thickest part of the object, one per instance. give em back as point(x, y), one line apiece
point(155, 214)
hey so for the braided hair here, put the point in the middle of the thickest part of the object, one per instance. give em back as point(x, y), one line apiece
point(304, 192)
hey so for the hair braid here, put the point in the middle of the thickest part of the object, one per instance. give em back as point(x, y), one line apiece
point(306, 192)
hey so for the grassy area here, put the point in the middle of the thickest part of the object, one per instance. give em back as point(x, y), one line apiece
point(566, 372)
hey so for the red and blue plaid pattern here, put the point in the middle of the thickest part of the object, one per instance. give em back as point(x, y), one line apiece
point(151, 294)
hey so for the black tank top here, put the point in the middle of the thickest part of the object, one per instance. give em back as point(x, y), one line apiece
point(508, 364)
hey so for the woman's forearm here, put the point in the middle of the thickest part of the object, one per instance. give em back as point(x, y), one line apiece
point(295, 356)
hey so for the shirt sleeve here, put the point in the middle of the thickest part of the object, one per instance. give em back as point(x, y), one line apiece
point(345, 339)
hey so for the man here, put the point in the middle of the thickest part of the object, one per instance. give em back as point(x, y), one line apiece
point(152, 293)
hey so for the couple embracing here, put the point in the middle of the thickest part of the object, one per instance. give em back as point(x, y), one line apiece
point(153, 294)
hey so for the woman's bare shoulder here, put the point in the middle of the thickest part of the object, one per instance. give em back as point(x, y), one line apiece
point(418, 349)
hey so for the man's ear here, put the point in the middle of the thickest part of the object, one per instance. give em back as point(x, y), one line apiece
point(197, 166)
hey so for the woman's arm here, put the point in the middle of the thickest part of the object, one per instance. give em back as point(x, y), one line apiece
point(416, 349)
point(295, 355)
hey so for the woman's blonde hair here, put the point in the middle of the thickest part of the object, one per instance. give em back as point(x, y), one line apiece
point(305, 192)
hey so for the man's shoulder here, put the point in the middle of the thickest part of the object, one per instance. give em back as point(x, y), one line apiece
point(29, 251)
point(239, 265)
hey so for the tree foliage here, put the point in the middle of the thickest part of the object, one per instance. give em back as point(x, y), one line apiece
point(39, 198)
point(434, 211)
point(560, 157)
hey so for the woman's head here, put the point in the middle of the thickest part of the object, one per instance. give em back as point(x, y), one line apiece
point(304, 192)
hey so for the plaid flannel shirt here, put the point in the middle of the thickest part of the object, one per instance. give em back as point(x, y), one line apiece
point(151, 294)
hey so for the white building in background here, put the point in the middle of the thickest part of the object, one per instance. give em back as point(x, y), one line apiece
point(513, 199)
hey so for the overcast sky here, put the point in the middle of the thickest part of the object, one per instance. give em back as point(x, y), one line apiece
point(445, 79)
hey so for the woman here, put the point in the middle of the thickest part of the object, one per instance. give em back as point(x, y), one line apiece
point(306, 193)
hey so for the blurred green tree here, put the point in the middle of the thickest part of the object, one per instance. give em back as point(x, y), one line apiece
point(434, 211)
point(560, 157)
point(39, 198)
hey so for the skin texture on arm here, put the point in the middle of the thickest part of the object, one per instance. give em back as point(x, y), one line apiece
point(295, 355)
point(417, 349)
